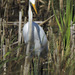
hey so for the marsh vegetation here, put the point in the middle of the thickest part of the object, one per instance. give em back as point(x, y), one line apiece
point(57, 18)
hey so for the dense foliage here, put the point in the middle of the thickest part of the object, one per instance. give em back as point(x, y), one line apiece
point(60, 33)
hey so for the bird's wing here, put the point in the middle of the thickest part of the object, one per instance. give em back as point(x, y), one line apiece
point(39, 35)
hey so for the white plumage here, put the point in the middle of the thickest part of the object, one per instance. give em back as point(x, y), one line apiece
point(38, 42)
point(39, 39)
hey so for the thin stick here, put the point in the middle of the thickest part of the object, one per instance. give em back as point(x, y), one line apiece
point(0, 32)
point(3, 46)
point(27, 59)
point(39, 22)
point(0, 26)
point(19, 32)
point(12, 44)
point(72, 29)
point(47, 20)
point(4, 59)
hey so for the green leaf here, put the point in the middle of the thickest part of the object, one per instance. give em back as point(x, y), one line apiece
point(57, 20)
point(7, 54)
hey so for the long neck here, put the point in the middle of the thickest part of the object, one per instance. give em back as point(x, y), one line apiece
point(30, 15)
point(30, 22)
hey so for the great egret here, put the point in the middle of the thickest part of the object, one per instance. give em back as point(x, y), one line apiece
point(38, 40)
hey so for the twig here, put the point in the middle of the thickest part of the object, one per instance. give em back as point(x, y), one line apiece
point(19, 32)
point(11, 44)
point(47, 20)
point(39, 22)
point(4, 59)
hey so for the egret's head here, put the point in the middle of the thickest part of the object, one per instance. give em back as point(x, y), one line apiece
point(32, 1)
point(33, 4)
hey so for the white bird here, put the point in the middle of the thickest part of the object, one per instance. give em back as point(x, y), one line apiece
point(38, 41)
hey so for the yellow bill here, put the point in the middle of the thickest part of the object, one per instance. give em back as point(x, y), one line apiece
point(34, 8)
